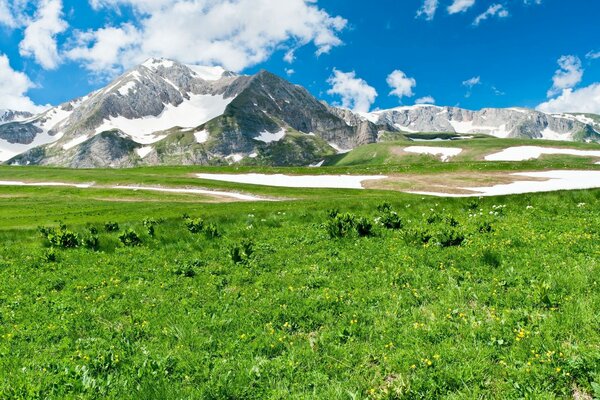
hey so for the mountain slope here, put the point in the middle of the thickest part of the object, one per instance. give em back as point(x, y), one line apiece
point(164, 112)
point(503, 123)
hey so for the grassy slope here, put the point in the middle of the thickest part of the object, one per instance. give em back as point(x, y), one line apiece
point(509, 314)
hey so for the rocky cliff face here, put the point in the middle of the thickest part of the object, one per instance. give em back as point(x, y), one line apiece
point(164, 112)
point(509, 122)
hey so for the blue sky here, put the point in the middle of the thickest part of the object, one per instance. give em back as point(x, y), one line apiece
point(56, 50)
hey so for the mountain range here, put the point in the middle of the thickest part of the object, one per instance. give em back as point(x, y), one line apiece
point(165, 112)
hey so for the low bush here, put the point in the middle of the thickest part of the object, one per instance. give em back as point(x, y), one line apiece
point(111, 227)
point(130, 238)
point(195, 225)
point(240, 253)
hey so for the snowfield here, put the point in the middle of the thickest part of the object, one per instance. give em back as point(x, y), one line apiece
point(295, 181)
point(523, 153)
point(232, 195)
point(189, 114)
point(445, 153)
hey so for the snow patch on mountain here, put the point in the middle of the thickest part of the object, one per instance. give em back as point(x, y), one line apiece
point(202, 136)
point(189, 114)
point(268, 137)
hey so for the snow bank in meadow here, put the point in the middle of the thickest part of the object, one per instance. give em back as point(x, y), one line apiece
point(295, 181)
point(445, 153)
point(523, 153)
point(237, 196)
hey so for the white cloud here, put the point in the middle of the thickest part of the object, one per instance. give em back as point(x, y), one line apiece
point(356, 93)
point(470, 84)
point(6, 16)
point(290, 71)
point(234, 33)
point(568, 76)
point(39, 39)
point(428, 9)
point(530, 2)
point(13, 88)
point(584, 100)
point(402, 85)
point(494, 10)
point(103, 51)
point(425, 100)
point(593, 55)
point(459, 6)
point(474, 81)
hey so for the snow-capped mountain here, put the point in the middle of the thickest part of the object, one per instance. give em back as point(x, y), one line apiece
point(167, 112)
point(499, 122)
point(164, 112)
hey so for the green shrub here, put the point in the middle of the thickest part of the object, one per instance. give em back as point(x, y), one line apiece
point(60, 237)
point(448, 237)
point(111, 227)
point(241, 253)
point(341, 225)
point(195, 225)
point(364, 227)
point(91, 242)
point(384, 207)
point(50, 255)
point(212, 231)
point(188, 269)
point(486, 227)
point(130, 238)
point(391, 220)
point(491, 258)
point(149, 224)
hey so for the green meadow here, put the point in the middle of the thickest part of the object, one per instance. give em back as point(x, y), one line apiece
point(326, 294)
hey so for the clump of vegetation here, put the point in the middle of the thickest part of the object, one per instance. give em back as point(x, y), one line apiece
point(149, 224)
point(188, 269)
point(340, 225)
point(212, 231)
point(91, 242)
point(195, 225)
point(111, 227)
point(389, 218)
point(130, 238)
point(364, 227)
point(60, 237)
point(241, 253)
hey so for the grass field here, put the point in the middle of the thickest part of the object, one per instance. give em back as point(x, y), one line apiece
point(331, 294)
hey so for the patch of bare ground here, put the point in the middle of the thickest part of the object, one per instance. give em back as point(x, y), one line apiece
point(449, 182)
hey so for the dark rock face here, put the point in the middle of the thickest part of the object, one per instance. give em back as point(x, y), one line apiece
point(17, 132)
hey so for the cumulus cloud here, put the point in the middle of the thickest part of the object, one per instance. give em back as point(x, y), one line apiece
point(495, 10)
point(39, 39)
point(567, 76)
point(13, 88)
point(584, 100)
point(428, 9)
point(402, 85)
point(104, 51)
point(6, 16)
point(356, 93)
point(459, 6)
point(425, 100)
point(232, 33)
